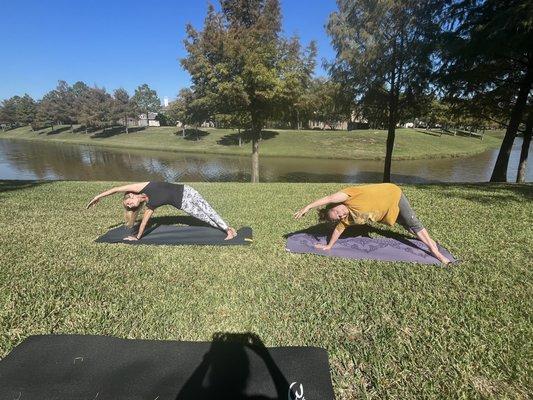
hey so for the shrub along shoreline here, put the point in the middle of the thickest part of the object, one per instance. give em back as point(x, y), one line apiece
point(392, 330)
point(353, 145)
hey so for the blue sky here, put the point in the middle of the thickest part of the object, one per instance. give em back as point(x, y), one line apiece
point(119, 43)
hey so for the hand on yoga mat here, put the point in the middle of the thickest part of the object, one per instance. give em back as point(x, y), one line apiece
point(130, 238)
point(321, 246)
point(300, 213)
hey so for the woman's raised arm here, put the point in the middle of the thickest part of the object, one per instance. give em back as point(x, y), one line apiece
point(338, 197)
point(132, 187)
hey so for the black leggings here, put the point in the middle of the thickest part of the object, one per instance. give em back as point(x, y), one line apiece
point(407, 217)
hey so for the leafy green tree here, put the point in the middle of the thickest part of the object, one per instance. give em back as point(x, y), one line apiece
point(385, 45)
point(8, 112)
point(297, 67)
point(189, 110)
point(487, 54)
point(64, 104)
point(327, 104)
point(96, 109)
point(47, 114)
point(234, 63)
point(80, 92)
point(146, 100)
point(122, 107)
point(26, 110)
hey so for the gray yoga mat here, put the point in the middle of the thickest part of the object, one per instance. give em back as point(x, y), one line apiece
point(362, 247)
point(178, 235)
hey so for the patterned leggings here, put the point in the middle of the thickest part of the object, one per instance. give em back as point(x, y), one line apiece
point(195, 205)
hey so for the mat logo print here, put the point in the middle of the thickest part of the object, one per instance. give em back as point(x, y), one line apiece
point(294, 393)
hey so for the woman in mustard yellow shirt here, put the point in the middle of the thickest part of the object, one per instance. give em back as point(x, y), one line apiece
point(381, 202)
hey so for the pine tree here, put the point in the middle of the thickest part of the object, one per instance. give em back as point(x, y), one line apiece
point(488, 63)
point(384, 46)
point(236, 64)
point(146, 100)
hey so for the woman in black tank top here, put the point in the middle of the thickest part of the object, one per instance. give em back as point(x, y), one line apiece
point(156, 194)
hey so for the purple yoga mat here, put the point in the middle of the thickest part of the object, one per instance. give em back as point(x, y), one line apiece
point(362, 247)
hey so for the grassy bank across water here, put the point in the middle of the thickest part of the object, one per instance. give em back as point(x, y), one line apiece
point(392, 330)
point(357, 145)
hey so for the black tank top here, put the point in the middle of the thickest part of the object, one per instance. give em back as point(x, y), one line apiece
point(163, 193)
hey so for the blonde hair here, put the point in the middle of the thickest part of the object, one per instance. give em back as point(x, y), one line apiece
point(131, 213)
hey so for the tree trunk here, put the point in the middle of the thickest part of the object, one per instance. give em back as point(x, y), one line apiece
point(256, 130)
point(522, 165)
point(499, 174)
point(255, 159)
point(393, 105)
point(240, 138)
point(71, 127)
point(126, 123)
point(183, 131)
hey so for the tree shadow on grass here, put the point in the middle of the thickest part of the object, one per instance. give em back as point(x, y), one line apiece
point(232, 139)
point(192, 134)
point(436, 133)
point(115, 131)
point(483, 193)
point(10, 186)
point(58, 130)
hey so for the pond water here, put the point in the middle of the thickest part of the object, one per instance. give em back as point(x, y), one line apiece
point(51, 161)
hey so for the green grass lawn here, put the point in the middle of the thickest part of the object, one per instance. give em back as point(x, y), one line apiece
point(392, 330)
point(361, 144)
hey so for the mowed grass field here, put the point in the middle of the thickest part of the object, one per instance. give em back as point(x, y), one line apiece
point(359, 144)
point(392, 330)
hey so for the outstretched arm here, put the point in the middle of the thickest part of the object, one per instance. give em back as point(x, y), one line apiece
point(133, 187)
point(338, 197)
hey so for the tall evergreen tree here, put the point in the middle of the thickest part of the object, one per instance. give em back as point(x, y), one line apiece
point(146, 100)
point(123, 108)
point(384, 45)
point(96, 109)
point(8, 112)
point(80, 92)
point(47, 114)
point(235, 63)
point(26, 110)
point(488, 62)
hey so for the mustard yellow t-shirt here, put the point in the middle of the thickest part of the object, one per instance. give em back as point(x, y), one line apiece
point(371, 203)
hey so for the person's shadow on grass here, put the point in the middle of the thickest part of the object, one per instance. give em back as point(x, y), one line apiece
point(225, 370)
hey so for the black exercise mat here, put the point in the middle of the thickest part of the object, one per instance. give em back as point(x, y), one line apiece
point(178, 235)
point(233, 366)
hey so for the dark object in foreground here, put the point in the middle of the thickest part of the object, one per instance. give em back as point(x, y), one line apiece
point(361, 247)
point(232, 366)
point(178, 235)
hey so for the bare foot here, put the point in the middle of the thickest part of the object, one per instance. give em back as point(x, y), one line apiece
point(444, 260)
point(231, 233)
